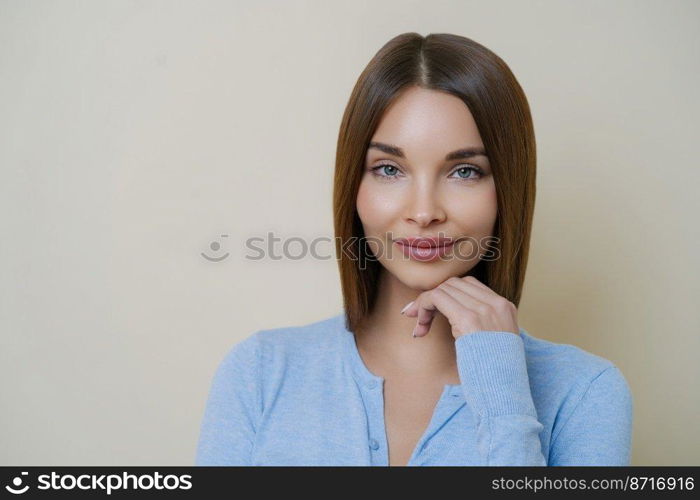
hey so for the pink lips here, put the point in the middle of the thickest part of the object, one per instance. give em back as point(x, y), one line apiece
point(425, 249)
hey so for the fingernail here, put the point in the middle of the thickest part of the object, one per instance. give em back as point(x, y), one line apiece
point(414, 330)
point(407, 306)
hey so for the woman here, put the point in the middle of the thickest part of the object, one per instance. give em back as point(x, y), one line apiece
point(435, 162)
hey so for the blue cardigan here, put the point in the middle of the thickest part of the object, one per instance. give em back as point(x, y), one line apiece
point(302, 395)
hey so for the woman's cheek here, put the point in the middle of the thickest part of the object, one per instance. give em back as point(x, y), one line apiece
point(374, 206)
point(369, 209)
point(478, 211)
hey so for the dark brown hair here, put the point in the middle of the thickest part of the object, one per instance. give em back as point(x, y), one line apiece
point(482, 80)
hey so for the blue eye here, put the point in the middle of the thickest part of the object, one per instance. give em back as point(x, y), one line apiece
point(466, 169)
point(383, 165)
point(469, 169)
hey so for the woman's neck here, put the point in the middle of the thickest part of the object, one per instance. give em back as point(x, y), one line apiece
point(386, 339)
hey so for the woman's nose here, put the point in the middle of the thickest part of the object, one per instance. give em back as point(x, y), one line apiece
point(424, 206)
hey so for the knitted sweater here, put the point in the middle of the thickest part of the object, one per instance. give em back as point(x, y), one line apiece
point(302, 395)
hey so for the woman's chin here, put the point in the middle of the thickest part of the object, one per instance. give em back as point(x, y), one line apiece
point(426, 278)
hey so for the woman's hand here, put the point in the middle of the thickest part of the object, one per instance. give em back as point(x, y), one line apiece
point(469, 305)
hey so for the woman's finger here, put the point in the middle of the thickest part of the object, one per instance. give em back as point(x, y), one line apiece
point(437, 299)
point(467, 323)
point(499, 303)
point(474, 288)
point(475, 281)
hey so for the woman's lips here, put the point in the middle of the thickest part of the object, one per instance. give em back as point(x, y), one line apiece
point(424, 253)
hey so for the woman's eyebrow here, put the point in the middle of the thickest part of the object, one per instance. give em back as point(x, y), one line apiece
point(459, 154)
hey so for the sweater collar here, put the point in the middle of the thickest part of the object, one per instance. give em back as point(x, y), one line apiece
point(352, 354)
point(360, 370)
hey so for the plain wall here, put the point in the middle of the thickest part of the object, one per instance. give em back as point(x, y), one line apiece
point(135, 133)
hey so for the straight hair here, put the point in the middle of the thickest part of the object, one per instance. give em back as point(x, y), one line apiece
point(484, 82)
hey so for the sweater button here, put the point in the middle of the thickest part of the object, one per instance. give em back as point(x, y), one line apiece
point(373, 444)
point(371, 384)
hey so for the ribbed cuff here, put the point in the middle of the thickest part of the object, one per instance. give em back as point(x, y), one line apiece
point(493, 373)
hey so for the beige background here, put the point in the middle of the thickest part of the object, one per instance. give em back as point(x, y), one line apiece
point(134, 133)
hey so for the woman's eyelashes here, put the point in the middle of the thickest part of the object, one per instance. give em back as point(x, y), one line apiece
point(466, 172)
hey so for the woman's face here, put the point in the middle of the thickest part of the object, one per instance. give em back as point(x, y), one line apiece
point(423, 194)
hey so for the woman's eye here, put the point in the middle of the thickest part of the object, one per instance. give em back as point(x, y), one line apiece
point(466, 173)
point(469, 170)
point(384, 166)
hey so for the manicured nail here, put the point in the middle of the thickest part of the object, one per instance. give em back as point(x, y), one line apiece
point(406, 307)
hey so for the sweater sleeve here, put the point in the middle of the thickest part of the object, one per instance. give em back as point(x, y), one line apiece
point(598, 431)
point(232, 409)
point(494, 379)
